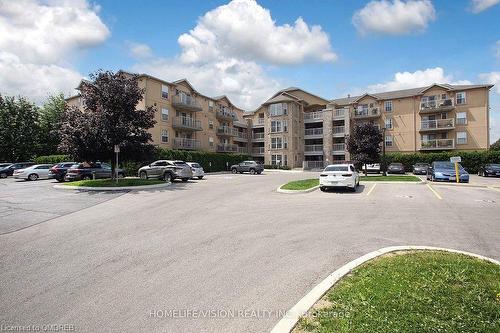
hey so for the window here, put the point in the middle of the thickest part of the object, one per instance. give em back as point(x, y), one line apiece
point(277, 109)
point(275, 126)
point(210, 141)
point(164, 135)
point(276, 143)
point(388, 106)
point(388, 141)
point(461, 138)
point(461, 118)
point(285, 126)
point(461, 97)
point(275, 159)
point(285, 142)
point(388, 123)
point(285, 160)
point(210, 105)
point(210, 124)
point(443, 97)
point(164, 91)
point(164, 114)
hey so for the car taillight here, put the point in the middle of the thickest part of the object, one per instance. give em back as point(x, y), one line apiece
point(347, 175)
point(323, 175)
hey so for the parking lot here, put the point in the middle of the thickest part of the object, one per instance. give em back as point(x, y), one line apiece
point(111, 262)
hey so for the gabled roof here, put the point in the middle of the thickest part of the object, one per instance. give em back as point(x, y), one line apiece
point(187, 82)
point(444, 86)
point(363, 96)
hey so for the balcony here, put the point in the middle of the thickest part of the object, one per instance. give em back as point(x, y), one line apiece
point(225, 115)
point(338, 148)
point(340, 113)
point(338, 131)
point(186, 123)
point(365, 113)
point(310, 117)
point(258, 137)
point(437, 125)
point(313, 133)
point(227, 148)
point(258, 151)
point(439, 144)
point(436, 106)
point(183, 143)
point(227, 131)
point(186, 103)
point(313, 165)
point(258, 123)
point(242, 136)
point(313, 150)
point(239, 123)
point(242, 150)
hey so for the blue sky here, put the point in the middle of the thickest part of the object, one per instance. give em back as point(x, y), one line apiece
point(360, 45)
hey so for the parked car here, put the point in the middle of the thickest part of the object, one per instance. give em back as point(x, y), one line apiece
point(339, 175)
point(87, 171)
point(197, 170)
point(59, 170)
point(490, 169)
point(34, 172)
point(247, 166)
point(445, 171)
point(396, 168)
point(166, 170)
point(9, 170)
point(372, 168)
point(3, 165)
point(420, 168)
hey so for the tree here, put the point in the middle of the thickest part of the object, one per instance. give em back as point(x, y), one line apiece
point(364, 144)
point(18, 129)
point(108, 117)
point(495, 145)
point(50, 123)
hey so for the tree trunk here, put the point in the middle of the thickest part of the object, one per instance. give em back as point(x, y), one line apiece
point(366, 170)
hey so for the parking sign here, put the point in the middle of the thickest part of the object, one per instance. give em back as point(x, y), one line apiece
point(455, 159)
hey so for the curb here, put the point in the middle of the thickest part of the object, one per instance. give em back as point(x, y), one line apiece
point(124, 188)
point(280, 190)
point(395, 182)
point(289, 321)
point(461, 184)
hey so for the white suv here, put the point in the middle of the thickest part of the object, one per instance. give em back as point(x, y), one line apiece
point(339, 175)
point(197, 170)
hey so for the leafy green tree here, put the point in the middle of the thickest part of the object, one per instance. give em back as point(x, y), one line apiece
point(495, 145)
point(50, 122)
point(18, 129)
point(364, 144)
point(108, 117)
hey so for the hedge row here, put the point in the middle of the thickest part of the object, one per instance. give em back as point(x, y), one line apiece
point(273, 166)
point(53, 159)
point(211, 162)
point(471, 160)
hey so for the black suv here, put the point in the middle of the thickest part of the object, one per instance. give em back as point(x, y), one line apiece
point(247, 166)
point(9, 170)
point(59, 170)
point(87, 171)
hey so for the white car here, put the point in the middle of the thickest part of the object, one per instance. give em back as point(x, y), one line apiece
point(198, 171)
point(34, 172)
point(339, 175)
point(371, 168)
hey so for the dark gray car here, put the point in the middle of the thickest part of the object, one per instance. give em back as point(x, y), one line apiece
point(396, 168)
point(247, 166)
point(420, 168)
point(166, 170)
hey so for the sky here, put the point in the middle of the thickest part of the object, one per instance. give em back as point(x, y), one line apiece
point(249, 49)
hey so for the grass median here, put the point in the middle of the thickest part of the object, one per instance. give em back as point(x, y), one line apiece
point(124, 182)
point(420, 291)
point(303, 184)
point(401, 178)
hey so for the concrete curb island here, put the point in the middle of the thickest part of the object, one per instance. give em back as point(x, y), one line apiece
point(288, 322)
point(122, 188)
point(280, 190)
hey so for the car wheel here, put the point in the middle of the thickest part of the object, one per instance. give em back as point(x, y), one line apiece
point(322, 188)
point(87, 177)
point(233, 170)
point(60, 180)
point(252, 171)
point(33, 177)
point(3, 175)
point(167, 177)
point(259, 172)
point(200, 177)
point(143, 175)
point(185, 179)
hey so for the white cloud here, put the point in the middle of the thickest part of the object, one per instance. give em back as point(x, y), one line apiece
point(140, 51)
point(419, 78)
point(243, 29)
point(493, 78)
point(394, 17)
point(37, 39)
point(480, 5)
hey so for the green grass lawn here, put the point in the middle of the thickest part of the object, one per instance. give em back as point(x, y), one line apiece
point(303, 184)
point(423, 292)
point(401, 178)
point(111, 183)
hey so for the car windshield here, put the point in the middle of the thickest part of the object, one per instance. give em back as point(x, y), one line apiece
point(337, 168)
point(447, 165)
point(494, 166)
point(179, 163)
point(421, 164)
point(195, 165)
point(397, 164)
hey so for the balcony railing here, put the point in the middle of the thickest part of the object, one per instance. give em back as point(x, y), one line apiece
point(227, 148)
point(313, 116)
point(366, 112)
point(187, 123)
point(258, 151)
point(436, 105)
point(339, 113)
point(310, 165)
point(227, 131)
point(225, 115)
point(258, 123)
point(242, 136)
point(313, 149)
point(313, 132)
point(186, 102)
point(182, 143)
point(240, 123)
point(338, 130)
point(339, 147)
point(258, 136)
point(438, 124)
point(438, 144)
point(242, 150)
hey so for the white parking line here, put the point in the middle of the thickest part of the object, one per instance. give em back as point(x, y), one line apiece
point(370, 191)
point(434, 191)
point(494, 189)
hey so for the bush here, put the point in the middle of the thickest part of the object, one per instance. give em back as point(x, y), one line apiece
point(131, 167)
point(53, 159)
point(273, 166)
point(471, 160)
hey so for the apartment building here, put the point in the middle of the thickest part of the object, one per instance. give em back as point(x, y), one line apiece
point(299, 129)
point(189, 120)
